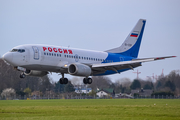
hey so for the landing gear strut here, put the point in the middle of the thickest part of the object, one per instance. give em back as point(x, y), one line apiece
point(22, 75)
point(87, 80)
point(63, 80)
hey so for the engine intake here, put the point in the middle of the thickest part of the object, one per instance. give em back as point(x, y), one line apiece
point(79, 70)
point(35, 73)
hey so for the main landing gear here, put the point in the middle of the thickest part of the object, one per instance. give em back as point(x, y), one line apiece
point(63, 80)
point(87, 80)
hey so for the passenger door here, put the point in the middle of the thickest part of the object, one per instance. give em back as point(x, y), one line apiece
point(36, 52)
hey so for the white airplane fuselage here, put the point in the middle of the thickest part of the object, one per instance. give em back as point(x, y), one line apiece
point(38, 60)
point(54, 58)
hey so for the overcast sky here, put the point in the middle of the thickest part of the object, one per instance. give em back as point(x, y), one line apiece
point(97, 25)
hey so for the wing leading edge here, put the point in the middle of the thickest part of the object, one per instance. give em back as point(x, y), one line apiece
point(116, 66)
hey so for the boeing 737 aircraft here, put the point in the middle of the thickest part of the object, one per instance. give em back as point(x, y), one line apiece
point(39, 60)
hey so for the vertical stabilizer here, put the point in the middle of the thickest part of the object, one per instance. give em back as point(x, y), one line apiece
point(131, 45)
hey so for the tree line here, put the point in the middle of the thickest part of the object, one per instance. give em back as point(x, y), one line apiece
point(169, 84)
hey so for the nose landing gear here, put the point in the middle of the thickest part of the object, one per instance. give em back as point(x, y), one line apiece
point(22, 75)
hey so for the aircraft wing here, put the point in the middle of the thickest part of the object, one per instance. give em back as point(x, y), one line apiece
point(115, 66)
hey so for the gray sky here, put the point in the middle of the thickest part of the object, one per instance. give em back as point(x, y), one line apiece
point(97, 25)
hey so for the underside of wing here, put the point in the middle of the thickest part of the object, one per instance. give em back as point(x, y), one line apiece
point(117, 66)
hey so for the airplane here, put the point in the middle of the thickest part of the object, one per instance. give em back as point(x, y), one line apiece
point(39, 60)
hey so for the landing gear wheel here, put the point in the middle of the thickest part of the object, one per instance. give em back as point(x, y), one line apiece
point(22, 75)
point(85, 81)
point(63, 81)
point(89, 80)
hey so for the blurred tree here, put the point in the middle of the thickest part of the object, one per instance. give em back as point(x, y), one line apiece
point(158, 86)
point(8, 92)
point(59, 88)
point(27, 91)
point(171, 85)
point(147, 86)
point(69, 87)
point(100, 82)
point(135, 84)
point(77, 80)
point(92, 93)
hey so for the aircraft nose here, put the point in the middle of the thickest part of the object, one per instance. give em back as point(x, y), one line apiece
point(7, 57)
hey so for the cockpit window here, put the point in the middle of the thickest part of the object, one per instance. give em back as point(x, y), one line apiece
point(21, 50)
point(14, 50)
point(18, 50)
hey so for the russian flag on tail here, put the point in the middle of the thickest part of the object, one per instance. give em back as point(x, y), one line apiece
point(134, 35)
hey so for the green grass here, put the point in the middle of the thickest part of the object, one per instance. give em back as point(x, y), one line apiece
point(124, 109)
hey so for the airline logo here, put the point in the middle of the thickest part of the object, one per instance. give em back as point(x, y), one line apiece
point(134, 35)
point(65, 51)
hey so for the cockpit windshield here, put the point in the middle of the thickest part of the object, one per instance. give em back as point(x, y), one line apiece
point(18, 50)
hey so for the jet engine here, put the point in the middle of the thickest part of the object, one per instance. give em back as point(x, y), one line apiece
point(35, 73)
point(79, 70)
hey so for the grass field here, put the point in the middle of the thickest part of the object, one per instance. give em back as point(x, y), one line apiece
point(110, 109)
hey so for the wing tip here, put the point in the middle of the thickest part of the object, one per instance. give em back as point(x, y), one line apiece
point(160, 58)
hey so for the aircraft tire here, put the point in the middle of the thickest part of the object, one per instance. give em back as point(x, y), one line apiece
point(65, 81)
point(22, 75)
point(85, 81)
point(89, 80)
point(61, 81)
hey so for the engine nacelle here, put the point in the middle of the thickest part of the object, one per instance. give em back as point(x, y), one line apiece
point(79, 70)
point(35, 73)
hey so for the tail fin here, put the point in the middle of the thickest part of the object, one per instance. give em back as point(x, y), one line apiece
point(131, 45)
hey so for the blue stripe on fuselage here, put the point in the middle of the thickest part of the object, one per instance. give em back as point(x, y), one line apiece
point(114, 57)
